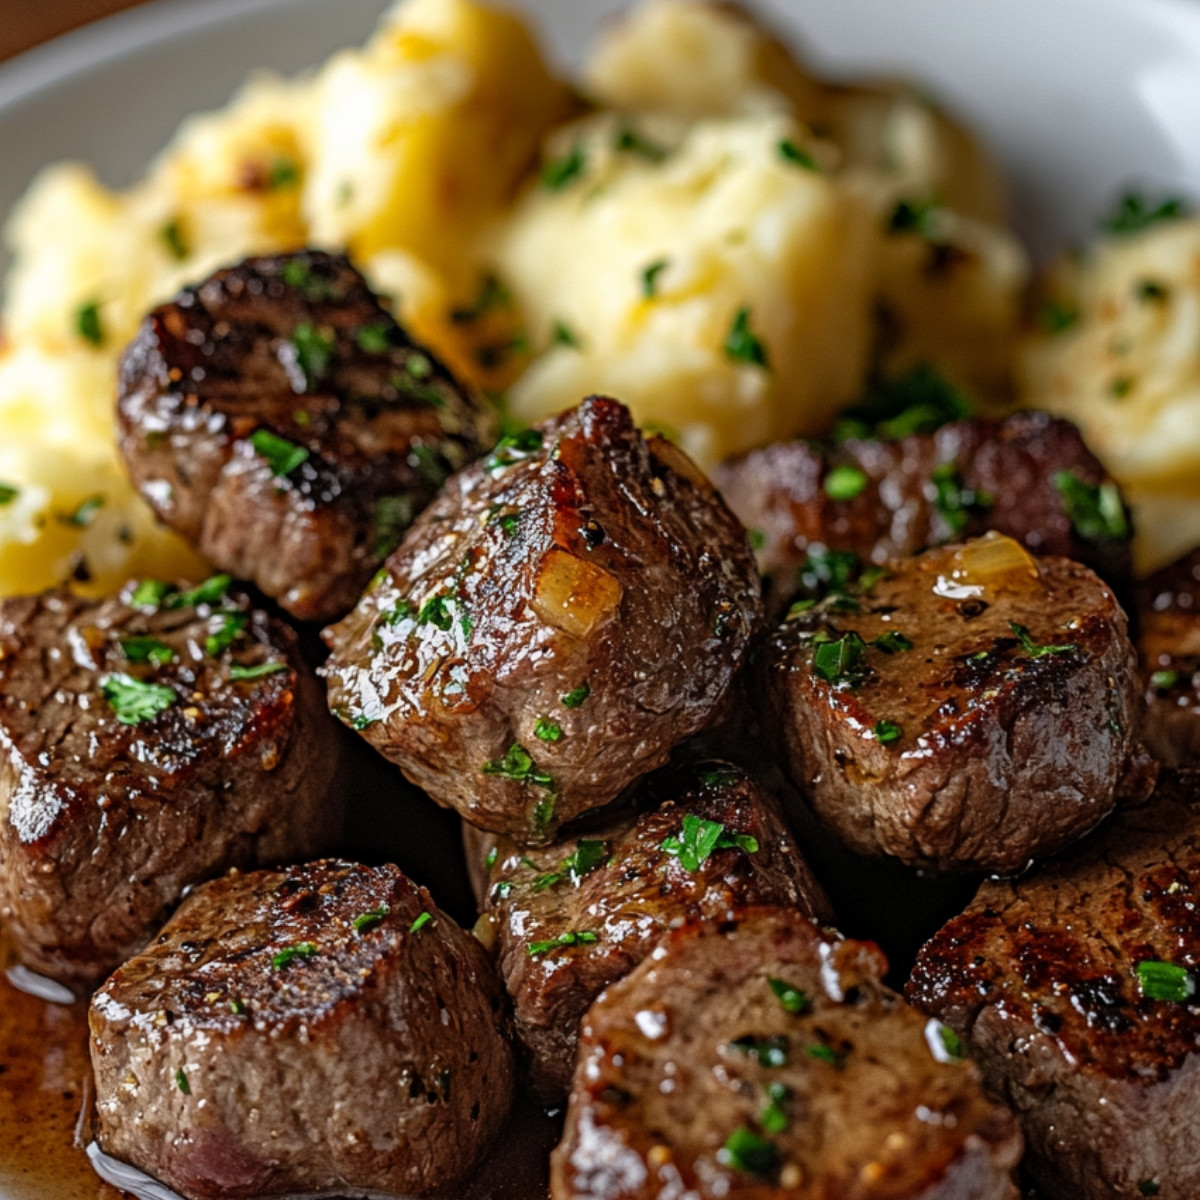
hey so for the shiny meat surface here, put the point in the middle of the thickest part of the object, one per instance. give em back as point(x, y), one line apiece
point(972, 709)
point(147, 743)
point(279, 418)
point(569, 610)
point(323, 1028)
point(762, 1057)
point(1030, 476)
point(1052, 980)
point(576, 915)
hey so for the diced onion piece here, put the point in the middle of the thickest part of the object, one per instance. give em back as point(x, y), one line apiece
point(674, 459)
point(991, 558)
point(485, 932)
point(573, 595)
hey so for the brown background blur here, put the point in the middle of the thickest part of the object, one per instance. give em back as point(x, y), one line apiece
point(24, 23)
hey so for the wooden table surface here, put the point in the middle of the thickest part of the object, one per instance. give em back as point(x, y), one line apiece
point(25, 23)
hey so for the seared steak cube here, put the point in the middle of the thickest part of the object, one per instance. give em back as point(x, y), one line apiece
point(1030, 476)
point(318, 1029)
point(567, 611)
point(973, 708)
point(576, 915)
point(1075, 990)
point(1168, 645)
point(279, 418)
point(147, 743)
point(761, 1056)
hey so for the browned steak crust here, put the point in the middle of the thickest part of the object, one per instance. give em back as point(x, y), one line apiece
point(1040, 976)
point(104, 824)
point(973, 709)
point(279, 418)
point(566, 612)
point(576, 915)
point(323, 1028)
point(762, 1057)
point(1030, 476)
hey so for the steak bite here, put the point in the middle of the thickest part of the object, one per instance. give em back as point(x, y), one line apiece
point(148, 742)
point(1029, 476)
point(318, 1029)
point(279, 418)
point(761, 1056)
point(1073, 988)
point(971, 709)
point(1168, 609)
point(576, 915)
point(563, 615)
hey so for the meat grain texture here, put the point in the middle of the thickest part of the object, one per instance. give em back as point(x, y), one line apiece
point(1030, 476)
point(972, 709)
point(576, 915)
point(1040, 976)
point(321, 1029)
point(136, 763)
point(279, 419)
point(761, 1056)
point(569, 610)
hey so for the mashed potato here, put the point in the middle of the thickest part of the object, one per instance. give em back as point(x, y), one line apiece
point(1118, 352)
point(711, 236)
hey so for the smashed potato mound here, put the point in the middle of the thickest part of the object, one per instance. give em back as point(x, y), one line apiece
point(729, 244)
point(1118, 352)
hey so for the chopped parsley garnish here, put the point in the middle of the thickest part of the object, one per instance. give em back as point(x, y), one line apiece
point(420, 923)
point(573, 937)
point(258, 671)
point(839, 660)
point(745, 1151)
point(756, 538)
point(85, 512)
point(374, 338)
point(955, 502)
point(489, 859)
point(1121, 386)
point(361, 721)
point(514, 448)
point(791, 153)
point(230, 627)
point(887, 732)
point(951, 1043)
point(774, 1118)
point(767, 1052)
point(576, 696)
point(921, 400)
point(1094, 510)
point(289, 954)
point(509, 522)
point(629, 141)
point(826, 1054)
point(134, 701)
point(212, 591)
point(281, 455)
point(792, 999)
point(368, 920)
point(1164, 681)
point(436, 612)
point(518, 765)
point(1135, 212)
point(284, 173)
point(742, 345)
point(697, 839)
point(181, 1082)
point(564, 335)
point(88, 325)
point(892, 642)
point(1033, 649)
point(1165, 981)
point(1149, 1187)
point(719, 777)
point(1148, 291)
point(492, 294)
point(1057, 317)
point(559, 172)
point(393, 515)
point(649, 277)
point(8, 493)
point(314, 354)
point(588, 854)
point(172, 236)
point(913, 216)
point(146, 650)
point(547, 730)
point(237, 1007)
point(845, 482)
point(150, 593)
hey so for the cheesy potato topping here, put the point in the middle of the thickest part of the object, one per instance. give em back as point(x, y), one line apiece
point(702, 228)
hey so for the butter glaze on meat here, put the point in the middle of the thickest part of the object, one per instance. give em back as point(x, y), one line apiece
point(553, 625)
